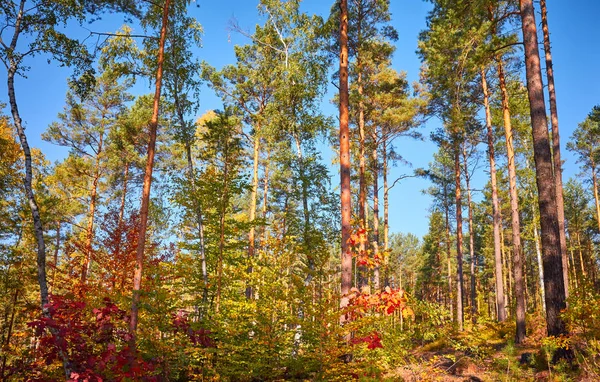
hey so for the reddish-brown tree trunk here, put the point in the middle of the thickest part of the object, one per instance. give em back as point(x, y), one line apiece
point(345, 196)
point(496, 213)
point(141, 244)
point(553, 274)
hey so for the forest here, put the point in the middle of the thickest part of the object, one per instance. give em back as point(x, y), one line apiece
point(257, 241)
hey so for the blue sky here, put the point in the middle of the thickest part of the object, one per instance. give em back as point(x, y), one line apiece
point(576, 53)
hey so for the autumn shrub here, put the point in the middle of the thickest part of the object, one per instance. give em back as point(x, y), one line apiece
point(583, 320)
point(94, 341)
point(431, 322)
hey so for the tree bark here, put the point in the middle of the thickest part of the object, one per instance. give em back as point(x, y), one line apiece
point(265, 197)
point(56, 251)
point(538, 252)
point(346, 256)
point(552, 260)
point(448, 249)
point(363, 280)
point(137, 276)
point(121, 218)
point(252, 213)
point(555, 148)
point(376, 254)
point(38, 227)
point(459, 240)
point(386, 211)
point(514, 211)
point(596, 198)
point(496, 212)
point(471, 237)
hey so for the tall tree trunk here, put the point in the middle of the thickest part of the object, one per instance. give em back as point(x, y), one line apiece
point(553, 274)
point(252, 213)
point(581, 262)
point(139, 258)
point(514, 211)
point(538, 252)
point(121, 218)
point(265, 196)
point(496, 212)
point(555, 148)
point(459, 240)
point(56, 251)
point(471, 237)
point(92, 212)
point(448, 249)
point(376, 254)
point(595, 186)
point(363, 280)
point(346, 256)
point(386, 213)
point(124, 194)
point(38, 227)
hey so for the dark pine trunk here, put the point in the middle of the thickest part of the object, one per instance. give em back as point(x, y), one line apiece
point(552, 261)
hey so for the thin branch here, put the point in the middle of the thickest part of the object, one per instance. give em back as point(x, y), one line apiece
point(506, 46)
point(401, 177)
point(120, 34)
point(233, 25)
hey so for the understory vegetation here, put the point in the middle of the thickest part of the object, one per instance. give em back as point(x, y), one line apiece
point(170, 244)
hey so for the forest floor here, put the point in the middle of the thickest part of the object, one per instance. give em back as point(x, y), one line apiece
point(489, 354)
